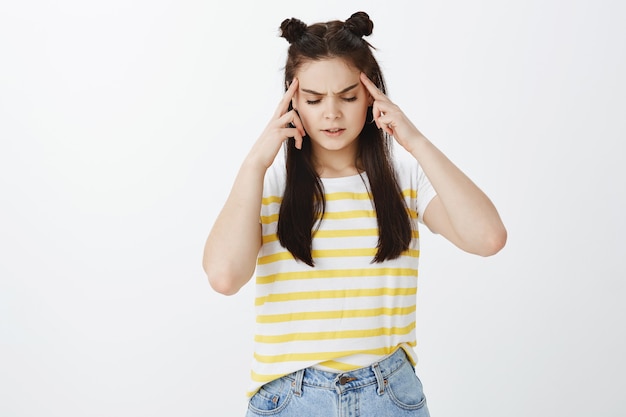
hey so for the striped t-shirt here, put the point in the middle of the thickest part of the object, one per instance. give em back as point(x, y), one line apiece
point(345, 312)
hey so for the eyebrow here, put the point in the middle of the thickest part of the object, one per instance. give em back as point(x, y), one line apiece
point(345, 90)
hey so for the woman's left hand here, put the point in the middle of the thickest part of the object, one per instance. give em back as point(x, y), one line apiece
point(460, 211)
point(390, 118)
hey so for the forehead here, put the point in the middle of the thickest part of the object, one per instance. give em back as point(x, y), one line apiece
point(327, 75)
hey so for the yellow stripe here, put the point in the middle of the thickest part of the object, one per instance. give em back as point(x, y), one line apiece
point(350, 214)
point(340, 253)
point(269, 219)
point(336, 273)
point(327, 253)
point(410, 193)
point(331, 253)
point(339, 215)
point(357, 214)
point(280, 256)
point(320, 356)
point(270, 238)
point(325, 234)
point(271, 199)
point(329, 234)
point(316, 295)
point(346, 196)
point(346, 334)
point(335, 314)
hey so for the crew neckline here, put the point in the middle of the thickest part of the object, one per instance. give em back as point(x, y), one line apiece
point(347, 178)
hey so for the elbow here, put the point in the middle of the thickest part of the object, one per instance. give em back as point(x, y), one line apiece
point(222, 281)
point(493, 242)
point(223, 286)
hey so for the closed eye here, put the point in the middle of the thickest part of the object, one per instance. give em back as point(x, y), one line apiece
point(346, 99)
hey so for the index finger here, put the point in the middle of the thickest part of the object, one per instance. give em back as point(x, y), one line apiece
point(371, 87)
point(283, 106)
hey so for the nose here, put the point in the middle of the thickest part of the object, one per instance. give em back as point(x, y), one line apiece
point(332, 109)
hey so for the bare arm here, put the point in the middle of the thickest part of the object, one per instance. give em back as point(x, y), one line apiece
point(460, 212)
point(233, 244)
point(235, 239)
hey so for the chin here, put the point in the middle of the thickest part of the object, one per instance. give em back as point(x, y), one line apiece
point(332, 144)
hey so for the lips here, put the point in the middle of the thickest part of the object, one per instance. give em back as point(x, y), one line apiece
point(333, 132)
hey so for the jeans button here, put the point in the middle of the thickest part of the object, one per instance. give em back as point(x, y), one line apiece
point(345, 379)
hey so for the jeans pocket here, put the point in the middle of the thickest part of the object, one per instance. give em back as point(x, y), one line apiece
point(405, 389)
point(271, 398)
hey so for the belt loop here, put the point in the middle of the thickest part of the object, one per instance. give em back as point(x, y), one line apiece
point(379, 378)
point(297, 383)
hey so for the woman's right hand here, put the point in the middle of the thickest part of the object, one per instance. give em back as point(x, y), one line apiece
point(233, 245)
point(278, 130)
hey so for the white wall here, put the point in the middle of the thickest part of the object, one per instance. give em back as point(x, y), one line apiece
point(122, 125)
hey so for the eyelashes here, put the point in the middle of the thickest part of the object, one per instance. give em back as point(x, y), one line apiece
point(347, 100)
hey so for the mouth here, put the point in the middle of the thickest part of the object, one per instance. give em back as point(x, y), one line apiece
point(336, 131)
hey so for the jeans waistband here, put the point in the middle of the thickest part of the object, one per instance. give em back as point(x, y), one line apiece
point(376, 373)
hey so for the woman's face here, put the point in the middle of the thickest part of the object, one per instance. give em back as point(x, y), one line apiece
point(332, 104)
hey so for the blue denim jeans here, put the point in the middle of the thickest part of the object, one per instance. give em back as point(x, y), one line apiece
point(389, 387)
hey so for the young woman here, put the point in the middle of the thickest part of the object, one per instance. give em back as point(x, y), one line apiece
point(332, 231)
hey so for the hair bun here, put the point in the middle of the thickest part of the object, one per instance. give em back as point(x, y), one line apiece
point(360, 24)
point(292, 29)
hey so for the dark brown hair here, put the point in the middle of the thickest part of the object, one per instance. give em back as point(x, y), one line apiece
point(303, 203)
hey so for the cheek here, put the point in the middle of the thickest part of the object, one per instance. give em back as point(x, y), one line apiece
point(360, 114)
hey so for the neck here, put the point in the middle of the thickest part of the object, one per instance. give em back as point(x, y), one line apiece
point(334, 164)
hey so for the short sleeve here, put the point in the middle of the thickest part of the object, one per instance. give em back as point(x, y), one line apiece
point(425, 192)
point(273, 189)
point(412, 179)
